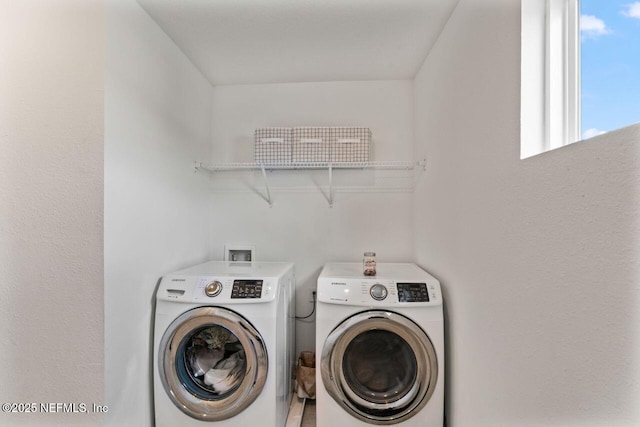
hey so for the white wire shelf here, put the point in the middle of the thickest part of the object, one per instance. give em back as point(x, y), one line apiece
point(330, 167)
point(388, 165)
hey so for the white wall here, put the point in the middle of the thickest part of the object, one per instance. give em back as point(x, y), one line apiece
point(51, 156)
point(301, 227)
point(157, 112)
point(538, 257)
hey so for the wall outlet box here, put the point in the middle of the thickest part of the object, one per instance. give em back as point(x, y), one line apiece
point(239, 252)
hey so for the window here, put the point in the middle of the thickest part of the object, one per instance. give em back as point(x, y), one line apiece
point(580, 75)
point(610, 65)
point(550, 94)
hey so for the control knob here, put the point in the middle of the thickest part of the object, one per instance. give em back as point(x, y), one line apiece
point(213, 288)
point(378, 292)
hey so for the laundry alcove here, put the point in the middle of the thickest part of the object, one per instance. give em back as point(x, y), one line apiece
point(190, 81)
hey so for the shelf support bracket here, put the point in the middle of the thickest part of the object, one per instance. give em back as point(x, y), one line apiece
point(266, 185)
point(330, 185)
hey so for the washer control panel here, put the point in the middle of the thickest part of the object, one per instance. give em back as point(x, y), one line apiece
point(218, 290)
point(246, 289)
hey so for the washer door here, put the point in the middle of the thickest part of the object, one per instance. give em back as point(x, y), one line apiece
point(212, 363)
point(379, 366)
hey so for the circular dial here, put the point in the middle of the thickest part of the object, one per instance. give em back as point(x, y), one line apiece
point(213, 288)
point(378, 292)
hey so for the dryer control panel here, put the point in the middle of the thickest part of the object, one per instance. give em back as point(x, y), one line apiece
point(395, 285)
point(413, 292)
point(379, 293)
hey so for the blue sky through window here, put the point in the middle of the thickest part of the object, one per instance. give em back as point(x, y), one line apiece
point(610, 65)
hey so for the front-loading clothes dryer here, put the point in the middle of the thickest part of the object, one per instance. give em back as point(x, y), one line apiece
point(379, 347)
point(224, 345)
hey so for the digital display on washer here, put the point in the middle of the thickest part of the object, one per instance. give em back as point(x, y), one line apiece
point(246, 289)
point(413, 292)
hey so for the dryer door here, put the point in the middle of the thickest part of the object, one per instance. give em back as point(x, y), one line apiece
point(379, 366)
point(212, 363)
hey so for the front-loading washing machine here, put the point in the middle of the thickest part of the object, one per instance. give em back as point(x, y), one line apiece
point(379, 347)
point(224, 345)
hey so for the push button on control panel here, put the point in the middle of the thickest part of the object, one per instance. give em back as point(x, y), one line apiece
point(378, 292)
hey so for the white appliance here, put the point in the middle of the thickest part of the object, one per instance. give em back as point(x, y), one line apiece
point(379, 347)
point(224, 345)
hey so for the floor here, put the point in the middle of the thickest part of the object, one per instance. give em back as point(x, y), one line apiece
point(302, 412)
point(309, 415)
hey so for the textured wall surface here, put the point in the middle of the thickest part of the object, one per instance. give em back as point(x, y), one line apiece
point(538, 257)
point(51, 198)
point(157, 123)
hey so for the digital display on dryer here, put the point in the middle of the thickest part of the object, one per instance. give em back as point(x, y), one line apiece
point(244, 289)
point(413, 292)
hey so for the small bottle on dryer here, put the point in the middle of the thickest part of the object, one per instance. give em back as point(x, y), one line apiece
point(369, 264)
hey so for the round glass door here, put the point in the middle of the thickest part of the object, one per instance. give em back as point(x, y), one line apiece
point(380, 366)
point(212, 363)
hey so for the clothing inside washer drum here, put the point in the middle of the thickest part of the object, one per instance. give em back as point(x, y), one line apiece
point(215, 360)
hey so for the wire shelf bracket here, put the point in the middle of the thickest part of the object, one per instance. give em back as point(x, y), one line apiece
point(330, 167)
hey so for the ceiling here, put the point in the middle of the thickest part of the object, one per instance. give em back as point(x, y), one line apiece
point(282, 41)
